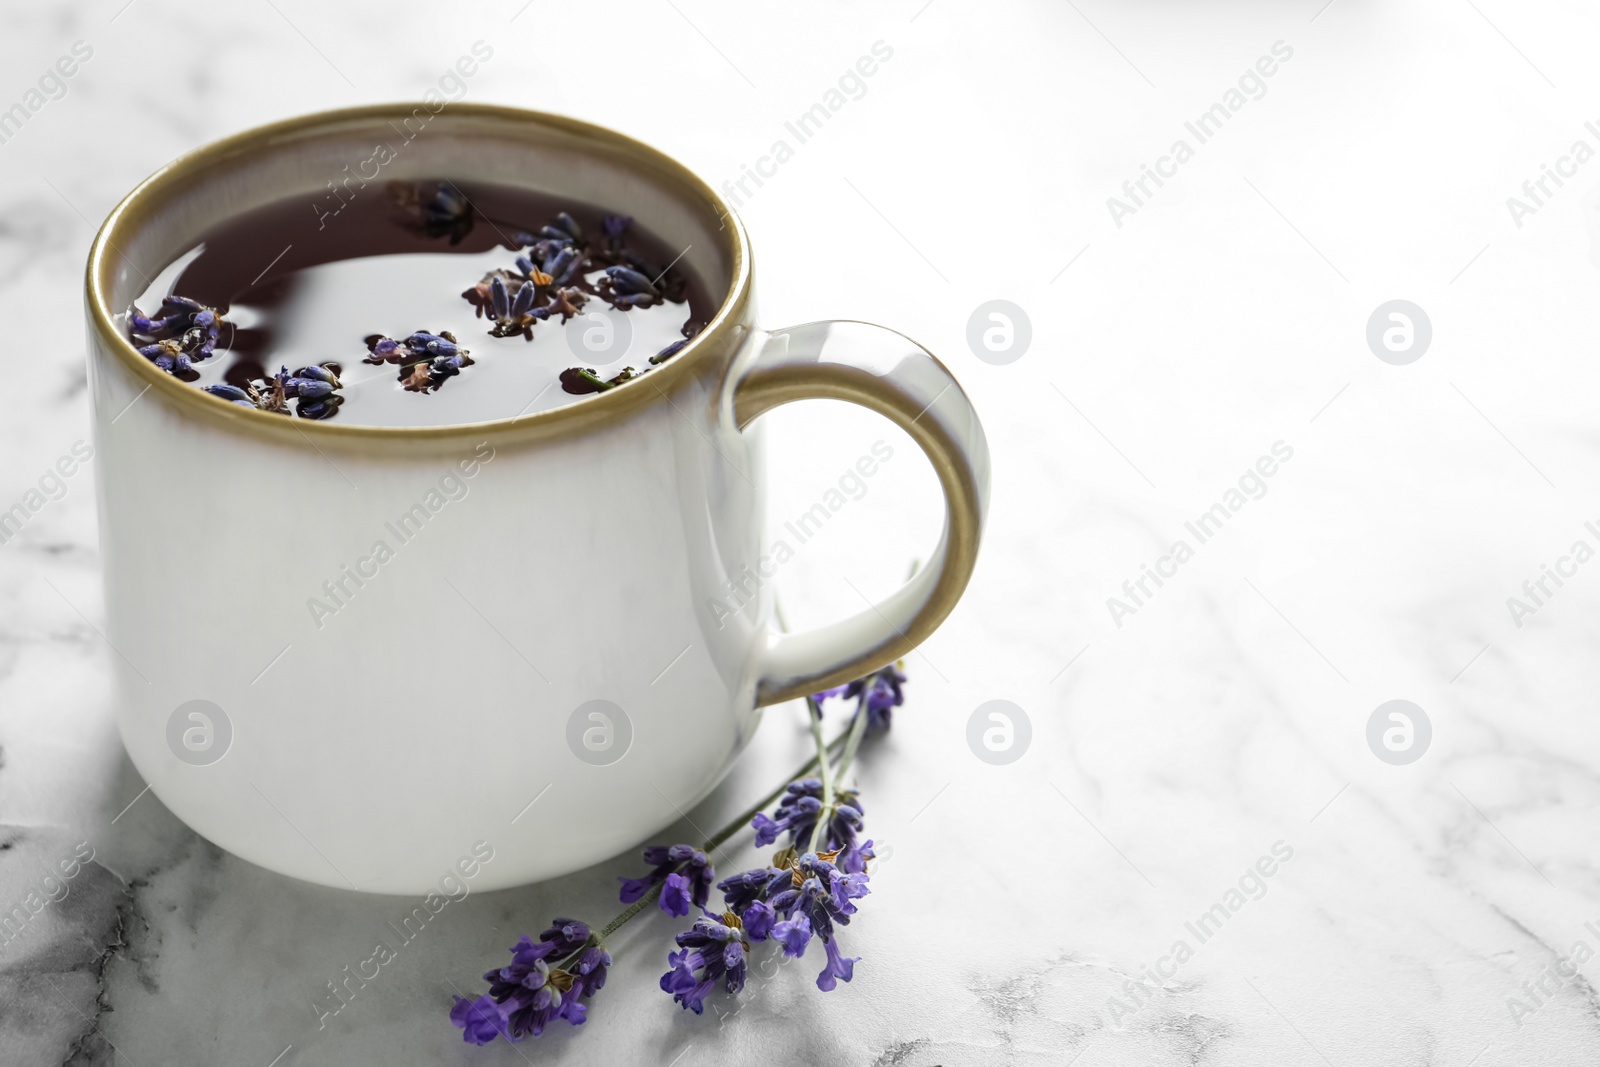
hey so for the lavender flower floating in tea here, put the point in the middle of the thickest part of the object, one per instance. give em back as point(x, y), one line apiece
point(314, 389)
point(381, 286)
point(183, 333)
point(805, 892)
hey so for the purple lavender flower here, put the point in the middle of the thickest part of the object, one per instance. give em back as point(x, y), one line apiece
point(481, 295)
point(749, 888)
point(531, 992)
point(797, 813)
point(309, 388)
point(821, 892)
point(628, 280)
point(713, 949)
point(564, 265)
point(853, 858)
point(425, 359)
point(316, 388)
point(168, 355)
point(569, 225)
point(624, 288)
point(434, 344)
point(879, 693)
point(182, 333)
point(231, 393)
point(838, 967)
point(313, 387)
point(564, 228)
point(529, 272)
point(791, 905)
point(758, 920)
point(794, 935)
point(683, 871)
point(823, 896)
point(514, 300)
point(481, 1020)
point(514, 313)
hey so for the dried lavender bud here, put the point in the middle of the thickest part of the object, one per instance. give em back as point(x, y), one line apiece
point(532, 273)
point(163, 354)
point(435, 344)
point(479, 295)
point(667, 353)
point(564, 266)
point(231, 393)
point(309, 388)
point(319, 409)
point(514, 314)
point(322, 373)
point(628, 280)
point(185, 332)
point(499, 300)
point(445, 367)
point(425, 359)
point(523, 304)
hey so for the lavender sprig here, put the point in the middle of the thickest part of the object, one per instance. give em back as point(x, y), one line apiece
point(801, 896)
point(683, 872)
point(529, 994)
point(532, 992)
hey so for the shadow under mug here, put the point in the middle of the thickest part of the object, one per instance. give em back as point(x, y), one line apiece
point(544, 667)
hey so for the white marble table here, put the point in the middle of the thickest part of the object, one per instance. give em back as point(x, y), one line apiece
point(1169, 753)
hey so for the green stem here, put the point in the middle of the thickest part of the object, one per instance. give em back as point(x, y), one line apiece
point(814, 713)
point(858, 729)
point(630, 911)
point(594, 379)
point(722, 835)
point(830, 806)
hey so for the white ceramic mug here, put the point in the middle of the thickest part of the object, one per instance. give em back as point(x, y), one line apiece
point(536, 666)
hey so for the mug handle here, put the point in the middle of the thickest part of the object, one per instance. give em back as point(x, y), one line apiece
point(893, 375)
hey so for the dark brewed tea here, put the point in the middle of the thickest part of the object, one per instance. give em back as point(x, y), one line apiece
point(425, 304)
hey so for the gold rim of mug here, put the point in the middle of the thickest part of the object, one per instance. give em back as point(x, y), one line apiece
point(135, 210)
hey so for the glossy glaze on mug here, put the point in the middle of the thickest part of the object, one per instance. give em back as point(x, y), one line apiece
point(427, 704)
